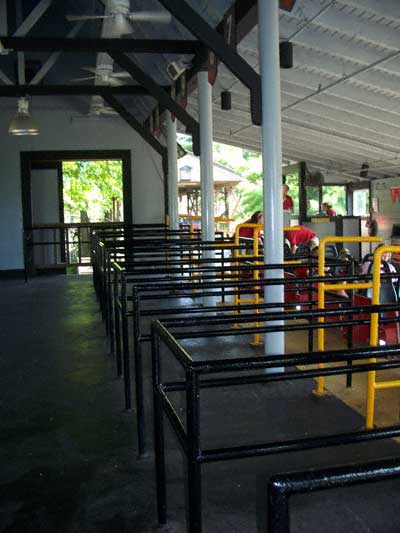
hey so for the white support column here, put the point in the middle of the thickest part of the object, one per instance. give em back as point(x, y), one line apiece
point(268, 30)
point(172, 173)
point(206, 157)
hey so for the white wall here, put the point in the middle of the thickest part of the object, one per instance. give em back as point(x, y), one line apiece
point(62, 131)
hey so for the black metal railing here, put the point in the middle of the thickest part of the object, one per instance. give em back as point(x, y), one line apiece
point(198, 375)
point(282, 487)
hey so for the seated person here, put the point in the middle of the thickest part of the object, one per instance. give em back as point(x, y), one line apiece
point(287, 200)
point(256, 218)
point(386, 265)
point(327, 210)
point(303, 235)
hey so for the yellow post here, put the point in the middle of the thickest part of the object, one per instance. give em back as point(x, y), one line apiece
point(321, 305)
point(256, 274)
point(256, 277)
point(322, 287)
point(374, 333)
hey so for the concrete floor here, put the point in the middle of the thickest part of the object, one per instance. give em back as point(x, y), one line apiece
point(68, 451)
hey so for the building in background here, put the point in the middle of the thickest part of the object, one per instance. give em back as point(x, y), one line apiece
point(226, 180)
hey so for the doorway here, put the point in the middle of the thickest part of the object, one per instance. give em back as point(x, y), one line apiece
point(65, 195)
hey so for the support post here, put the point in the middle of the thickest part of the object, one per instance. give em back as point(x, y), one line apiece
point(272, 159)
point(206, 157)
point(206, 167)
point(172, 172)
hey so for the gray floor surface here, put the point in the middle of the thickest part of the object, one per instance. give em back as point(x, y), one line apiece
point(68, 450)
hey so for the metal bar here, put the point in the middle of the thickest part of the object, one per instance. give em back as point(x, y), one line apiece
point(44, 90)
point(159, 439)
point(287, 375)
point(309, 443)
point(135, 124)
point(321, 289)
point(5, 79)
point(282, 486)
point(249, 317)
point(32, 18)
point(139, 394)
point(374, 333)
point(257, 363)
point(108, 45)
point(174, 419)
point(349, 379)
point(53, 58)
point(194, 506)
point(267, 329)
point(117, 326)
point(201, 309)
point(160, 95)
point(125, 347)
point(181, 355)
point(212, 40)
point(20, 55)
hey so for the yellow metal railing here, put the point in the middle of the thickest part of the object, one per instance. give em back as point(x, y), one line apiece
point(256, 298)
point(192, 219)
point(323, 287)
point(372, 385)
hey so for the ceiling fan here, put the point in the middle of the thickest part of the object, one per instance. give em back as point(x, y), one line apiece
point(119, 11)
point(105, 75)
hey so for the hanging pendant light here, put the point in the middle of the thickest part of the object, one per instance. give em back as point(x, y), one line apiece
point(23, 123)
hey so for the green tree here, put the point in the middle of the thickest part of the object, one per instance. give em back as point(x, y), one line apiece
point(248, 155)
point(253, 191)
point(335, 195)
point(94, 187)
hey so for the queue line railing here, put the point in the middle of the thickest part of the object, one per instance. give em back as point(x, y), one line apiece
point(282, 487)
point(224, 372)
point(333, 287)
point(372, 384)
point(256, 298)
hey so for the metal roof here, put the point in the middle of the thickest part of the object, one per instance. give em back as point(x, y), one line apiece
point(340, 102)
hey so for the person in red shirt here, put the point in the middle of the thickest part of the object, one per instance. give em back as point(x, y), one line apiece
point(287, 200)
point(303, 235)
point(327, 210)
point(256, 218)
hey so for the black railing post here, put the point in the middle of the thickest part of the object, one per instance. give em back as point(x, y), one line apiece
point(125, 345)
point(194, 499)
point(116, 347)
point(137, 353)
point(349, 376)
point(159, 440)
point(310, 298)
point(278, 509)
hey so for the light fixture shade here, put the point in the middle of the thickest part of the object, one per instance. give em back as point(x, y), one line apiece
point(23, 123)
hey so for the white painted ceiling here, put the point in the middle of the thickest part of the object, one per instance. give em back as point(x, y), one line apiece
point(341, 101)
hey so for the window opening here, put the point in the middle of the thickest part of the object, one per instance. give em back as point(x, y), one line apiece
point(335, 195)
